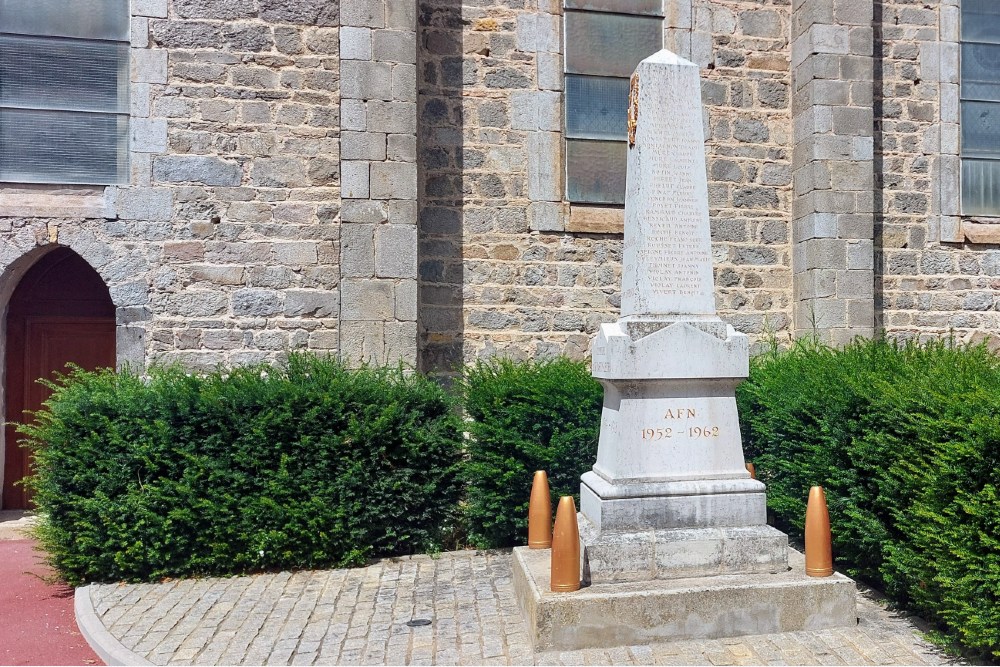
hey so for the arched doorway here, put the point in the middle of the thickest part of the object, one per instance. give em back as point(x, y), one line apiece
point(60, 312)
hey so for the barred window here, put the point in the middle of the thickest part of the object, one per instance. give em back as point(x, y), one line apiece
point(64, 72)
point(980, 107)
point(604, 41)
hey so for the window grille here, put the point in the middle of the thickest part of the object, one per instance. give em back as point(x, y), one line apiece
point(64, 73)
point(980, 107)
point(604, 42)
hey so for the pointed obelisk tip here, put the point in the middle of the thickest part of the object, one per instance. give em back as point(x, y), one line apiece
point(668, 57)
point(819, 548)
point(540, 513)
point(565, 575)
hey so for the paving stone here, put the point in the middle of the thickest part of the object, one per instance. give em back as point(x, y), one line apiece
point(304, 659)
point(359, 617)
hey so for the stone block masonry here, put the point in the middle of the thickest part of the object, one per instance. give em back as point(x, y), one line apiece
point(245, 266)
point(223, 246)
point(500, 269)
point(833, 169)
point(939, 271)
point(743, 50)
point(378, 115)
point(329, 175)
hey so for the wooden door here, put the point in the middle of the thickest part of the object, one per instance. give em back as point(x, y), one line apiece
point(50, 343)
point(60, 313)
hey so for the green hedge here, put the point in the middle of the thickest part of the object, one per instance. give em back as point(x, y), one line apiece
point(905, 440)
point(309, 465)
point(525, 416)
point(312, 465)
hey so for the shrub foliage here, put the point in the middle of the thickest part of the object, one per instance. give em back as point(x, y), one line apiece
point(905, 439)
point(525, 416)
point(309, 465)
point(312, 465)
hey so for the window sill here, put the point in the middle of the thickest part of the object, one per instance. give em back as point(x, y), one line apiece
point(53, 201)
point(596, 219)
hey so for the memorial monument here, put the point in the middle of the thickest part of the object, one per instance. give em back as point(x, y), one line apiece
point(673, 530)
point(670, 495)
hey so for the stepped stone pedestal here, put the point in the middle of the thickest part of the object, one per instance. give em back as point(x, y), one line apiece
point(669, 495)
point(624, 614)
point(674, 539)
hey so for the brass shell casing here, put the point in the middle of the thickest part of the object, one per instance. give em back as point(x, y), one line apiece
point(565, 548)
point(540, 513)
point(819, 550)
point(752, 470)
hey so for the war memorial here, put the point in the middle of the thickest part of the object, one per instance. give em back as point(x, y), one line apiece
point(673, 530)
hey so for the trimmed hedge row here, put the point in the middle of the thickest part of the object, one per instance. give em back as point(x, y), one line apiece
point(309, 465)
point(905, 439)
point(256, 468)
point(312, 465)
point(543, 415)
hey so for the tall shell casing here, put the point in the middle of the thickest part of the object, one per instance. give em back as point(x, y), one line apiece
point(540, 513)
point(565, 548)
point(819, 549)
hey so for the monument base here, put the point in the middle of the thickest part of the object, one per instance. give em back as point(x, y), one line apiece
point(688, 529)
point(623, 614)
point(705, 503)
point(680, 553)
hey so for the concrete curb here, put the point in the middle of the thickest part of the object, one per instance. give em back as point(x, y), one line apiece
point(107, 648)
point(17, 524)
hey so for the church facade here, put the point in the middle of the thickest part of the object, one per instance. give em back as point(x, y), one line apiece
point(433, 181)
point(430, 182)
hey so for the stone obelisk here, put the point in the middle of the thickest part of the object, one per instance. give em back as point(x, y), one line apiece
point(672, 527)
point(669, 495)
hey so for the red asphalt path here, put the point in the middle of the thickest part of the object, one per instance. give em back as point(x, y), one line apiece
point(37, 625)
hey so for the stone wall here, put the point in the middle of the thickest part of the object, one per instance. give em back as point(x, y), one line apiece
point(248, 262)
point(744, 52)
point(415, 211)
point(488, 284)
point(833, 211)
point(939, 272)
point(378, 161)
point(224, 245)
point(503, 268)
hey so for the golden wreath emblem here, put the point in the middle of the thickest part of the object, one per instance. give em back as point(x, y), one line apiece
point(633, 108)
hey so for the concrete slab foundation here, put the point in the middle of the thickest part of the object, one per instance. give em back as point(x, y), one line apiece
point(621, 614)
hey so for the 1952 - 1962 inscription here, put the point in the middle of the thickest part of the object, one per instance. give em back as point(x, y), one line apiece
point(685, 430)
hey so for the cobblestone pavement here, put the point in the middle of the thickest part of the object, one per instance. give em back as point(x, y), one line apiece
point(360, 616)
